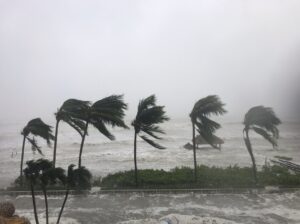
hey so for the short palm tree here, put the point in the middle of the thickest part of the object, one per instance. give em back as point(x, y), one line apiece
point(35, 127)
point(77, 179)
point(41, 172)
point(107, 111)
point(146, 121)
point(264, 122)
point(49, 175)
point(202, 110)
point(72, 111)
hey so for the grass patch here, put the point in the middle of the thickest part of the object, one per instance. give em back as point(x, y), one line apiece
point(208, 177)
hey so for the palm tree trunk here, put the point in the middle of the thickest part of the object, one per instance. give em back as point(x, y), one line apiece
point(22, 160)
point(249, 148)
point(63, 206)
point(82, 143)
point(46, 204)
point(34, 204)
point(55, 143)
point(135, 164)
point(194, 150)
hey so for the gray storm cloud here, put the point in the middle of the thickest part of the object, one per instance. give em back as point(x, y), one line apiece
point(247, 52)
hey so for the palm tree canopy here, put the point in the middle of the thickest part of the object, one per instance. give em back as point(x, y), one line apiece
point(264, 122)
point(42, 171)
point(73, 112)
point(108, 111)
point(79, 178)
point(147, 118)
point(202, 110)
point(38, 128)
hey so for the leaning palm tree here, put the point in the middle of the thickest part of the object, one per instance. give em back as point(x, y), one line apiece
point(202, 110)
point(264, 122)
point(146, 121)
point(35, 127)
point(107, 111)
point(72, 111)
point(77, 179)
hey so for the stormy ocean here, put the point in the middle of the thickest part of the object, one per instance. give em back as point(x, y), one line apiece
point(103, 156)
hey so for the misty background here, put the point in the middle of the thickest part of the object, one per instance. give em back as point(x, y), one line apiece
point(247, 52)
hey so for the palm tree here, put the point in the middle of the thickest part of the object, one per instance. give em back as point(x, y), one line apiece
point(76, 179)
point(202, 110)
point(146, 120)
point(264, 122)
point(107, 111)
point(31, 174)
point(35, 127)
point(71, 112)
point(49, 175)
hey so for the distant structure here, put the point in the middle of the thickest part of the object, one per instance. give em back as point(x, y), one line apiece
point(201, 141)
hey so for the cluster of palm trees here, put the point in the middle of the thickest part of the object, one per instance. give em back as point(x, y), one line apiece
point(110, 111)
point(41, 173)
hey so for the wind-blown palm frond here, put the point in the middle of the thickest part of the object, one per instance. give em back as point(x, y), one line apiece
point(74, 112)
point(34, 145)
point(265, 135)
point(203, 108)
point(38, 128)
point(151, 142)
point(100, 126)
point(110, 110)
point(262, 117)
point(78, 178)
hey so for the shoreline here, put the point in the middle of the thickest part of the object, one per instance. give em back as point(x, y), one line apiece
point(215, 191)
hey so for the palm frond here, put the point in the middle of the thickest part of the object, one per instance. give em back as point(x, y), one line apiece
point(144, 104)
point(38, 128)
point(99, 125)
point(266, 135)
point(208, 106)
point(152, 143)
point(111, 110)
point(262, 117)
point(151, 130)
point(153, 115)
point(34, 145)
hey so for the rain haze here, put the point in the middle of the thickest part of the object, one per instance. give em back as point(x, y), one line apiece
point(247, 52)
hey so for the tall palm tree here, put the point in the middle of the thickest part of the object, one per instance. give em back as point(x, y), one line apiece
point(264, 122)
point(107, 111)
point(147, 119)
point(72, 111)
point(76, 179)
point(202, 110)
point(35, 127)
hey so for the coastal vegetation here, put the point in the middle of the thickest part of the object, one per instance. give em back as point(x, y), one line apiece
point(264, 122)
point(208, 178)
point(71, 112)
point(35, 127)
point(201, 122)
point(42, 174)
point(148, 116)
point(107, 111)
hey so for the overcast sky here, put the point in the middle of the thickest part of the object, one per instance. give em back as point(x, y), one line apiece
point(247, 52)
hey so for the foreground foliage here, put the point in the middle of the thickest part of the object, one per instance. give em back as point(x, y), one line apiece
point(208, 177)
